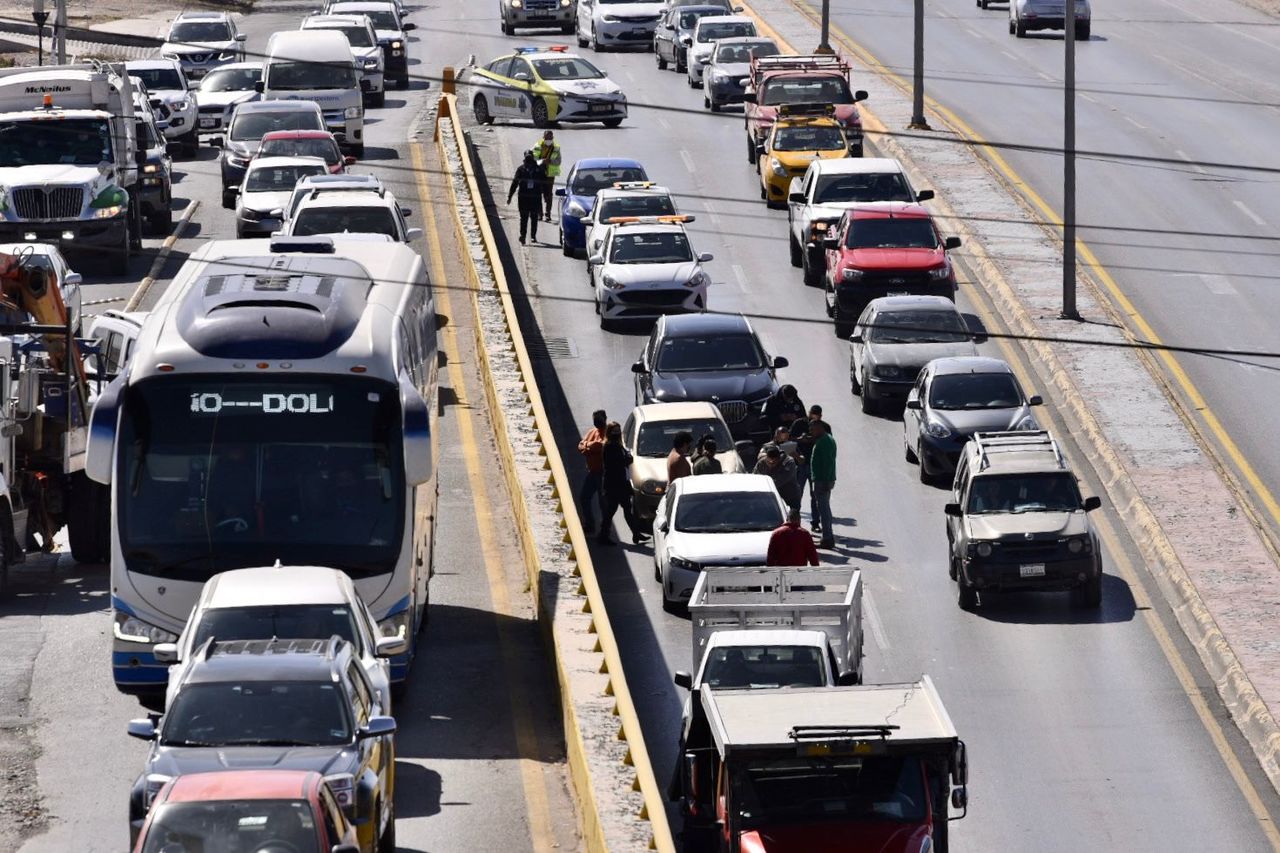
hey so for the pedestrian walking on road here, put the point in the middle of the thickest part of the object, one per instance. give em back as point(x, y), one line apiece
point(791, 544)
point(782, 409)
point(527, 186)
point(615, 487)
point(782, 469)
point(547, 152)
point(592, 449)
point(804, 446)
point(707, 463)
point(822, 469)
point(678, 464)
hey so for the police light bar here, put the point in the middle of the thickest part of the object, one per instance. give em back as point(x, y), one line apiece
point(666, 219)
point(529, 49)
point(537, 48)
point(632, 185)
point(806, 109)
point(558, 48)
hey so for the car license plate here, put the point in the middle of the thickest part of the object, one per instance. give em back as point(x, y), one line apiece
point(208, 122)
point(601, 108)
point(897, 293)
point(535, 16)
point(1031, 570)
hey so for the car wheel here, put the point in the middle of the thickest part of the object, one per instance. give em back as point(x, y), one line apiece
point(161, 221)
point(870, 405)
point(844, 328)
point(854, 385)
point(670, 606)
point(797, 252)
point(967, 597)
point(909, 453)
point(379, 99)
point(121, 256)
point(480, 107)
point(582, 42)
point(538, 112)
point(564, 247)
point(925, 477)
point(612, 122)
point(657, 568)
point(764, 196)
point(982, 4)
point(568, 29)
point(813, 274)
point(1019, 29)
point(751, 149)
point(507, 29)
point(1082, 31)
point(387, 841)
point(662, 63)
point(595, 40)
point(692, 84)
point(953, 569)
point(1089, 596)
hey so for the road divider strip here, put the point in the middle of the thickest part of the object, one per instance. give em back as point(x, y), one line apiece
point(144, 287)
point(1163, 557)
point(621, 807)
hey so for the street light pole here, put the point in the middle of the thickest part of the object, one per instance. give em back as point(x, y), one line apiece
point(1069, 311)
point(40, 16)
point(918, 121)
point(824, 45)
point(60, 31)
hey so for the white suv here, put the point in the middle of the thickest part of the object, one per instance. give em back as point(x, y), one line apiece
point(172, 99)
point(355, 212)
point(618, 23)
point(365, 50)
point(203, 41)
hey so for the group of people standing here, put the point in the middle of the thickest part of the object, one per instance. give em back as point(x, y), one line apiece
point(533, 184)
point(801, 451)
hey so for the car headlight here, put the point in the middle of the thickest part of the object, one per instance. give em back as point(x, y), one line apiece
point(151, 788)
point(576, 209)
point(937, 430)
point(777, 167)
point(181, 106)
point(370, 62)
point(150, 169)
point(343, 786)
point(236, 160)
point(940, 273)
point(110, 202)
point(1078, 545)
point(131, 629)
point(170, 54)
point(565, 4)
point(697, 280)
point(718, 76)
point(251, 215)
point(1026, 422)
point(888, 371)
point(609, 281)
point(352, 112)
point(609, 19)
point(687, 565)
point(397, 44)
point(516, 4)
point(226, 56)
point(653, 487)
point(983, 549)
point(396, 625)
point(851, 274)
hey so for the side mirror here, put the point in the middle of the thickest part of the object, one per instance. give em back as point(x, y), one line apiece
point(760, 149)
point(416, 417)
point(846, 679)
point(795, 198)
point(171, 148)
point(705, 257)
point(595, 260)
point(259, 86)
point(737, 9)
point(683, 679)
point(100, 449)
point(959, 798)
point(639, 368)
point(72, 278)
point(924, 195)
point(389, 647)
point(587, 220)
point(142, 729)
point(377, 727)
point(748, 97)
point(860, 95)
point(686, 40)
point(1091, 503)
point(960, 765)
point(663, 527)
point(165, 652)
point(215, 141)
point(830, 241)
point(856, 338)
point(952, 510)
point(1035, 400)
point(560, 191)
point(407, 26)
point(229, 198)
point(522, 76)
point(914, 404)
point(704, 60)
point(406, 211)
point(780, 362)
point(275, 213)
point(951, 243)
point(349, 161)
point(411, 234)
point(345, 848)
point(241, 36)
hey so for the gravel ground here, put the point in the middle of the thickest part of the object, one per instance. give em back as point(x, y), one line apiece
point(85, 13)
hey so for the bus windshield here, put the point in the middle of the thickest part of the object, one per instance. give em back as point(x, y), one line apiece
point(222, 472)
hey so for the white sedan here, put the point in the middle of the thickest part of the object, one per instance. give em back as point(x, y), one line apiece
point(268, 184)
point(712, 520)
point(646, 268)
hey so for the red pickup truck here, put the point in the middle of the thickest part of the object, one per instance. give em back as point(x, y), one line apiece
point(884, 248)
point(817, 79)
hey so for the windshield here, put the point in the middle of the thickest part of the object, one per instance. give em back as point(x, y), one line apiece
point(357, 36)
point(159, 78)
point(73, 142)
point(227, 472)
point(809, 139)
point(726, 53)
point(689, 20)
point(910, 232)
point(382, 20)
point(888, 788)
point(569, 68)
point(841, 189)
point(200, 31)
point(591, 181)
point(729, 667)
point(146, 138)
point(737, 512)
point(975, 391)
point(728, 30)
point(297, 621)
point(231, 80)
point(246, 127)
point(287, 76)
point(655, 438)
point(340, 220)
point(669, 247)
point(1050, 492)
point(232, 825)
point(719, 352)
point(325, 149)
point(806, 90)
point(264, 713)
point(265, 179)
point(918, 327)
point(650, 204)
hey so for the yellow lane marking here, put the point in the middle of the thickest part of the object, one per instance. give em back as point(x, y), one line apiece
point(1120, 558)
point(541, 837)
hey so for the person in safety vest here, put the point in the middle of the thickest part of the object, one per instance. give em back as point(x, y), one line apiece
point(548, 153)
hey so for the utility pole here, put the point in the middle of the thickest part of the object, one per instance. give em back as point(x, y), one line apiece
point(60, 31)
point(1069, 311)
point(825, 42)
point(918, 121)
point(40, 16)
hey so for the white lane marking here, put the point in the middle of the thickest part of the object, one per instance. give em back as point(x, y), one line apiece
point(1011, 55)
point(1135, 123)
point(1089, 98)
point(688, 161)
point(873, 619)
point(971, 31)
point(1257, 220)
point(1044, 76)
point(740, 274)
point(1218, 285)
point(1185, 156)
point(662, 121)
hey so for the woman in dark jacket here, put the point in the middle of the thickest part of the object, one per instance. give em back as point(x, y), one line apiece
point(615, 488)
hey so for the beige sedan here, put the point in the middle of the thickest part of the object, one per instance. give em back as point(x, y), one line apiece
point(649, 434)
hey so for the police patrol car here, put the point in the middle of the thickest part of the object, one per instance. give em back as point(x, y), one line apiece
point(646, 268)
point(546, 86)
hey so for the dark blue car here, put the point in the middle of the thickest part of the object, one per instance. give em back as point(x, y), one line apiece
point(578, 195)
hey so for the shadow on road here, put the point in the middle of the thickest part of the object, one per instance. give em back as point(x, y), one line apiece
point(417, 791)
point(56, 585)
point(1055, 608)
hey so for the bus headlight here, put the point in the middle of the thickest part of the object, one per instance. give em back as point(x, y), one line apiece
point(131, 629)
point(397, 624)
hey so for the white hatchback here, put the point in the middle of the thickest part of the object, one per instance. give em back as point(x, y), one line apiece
point(708, 31)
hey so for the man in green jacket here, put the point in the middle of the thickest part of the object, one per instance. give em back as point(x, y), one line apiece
point(822, 472)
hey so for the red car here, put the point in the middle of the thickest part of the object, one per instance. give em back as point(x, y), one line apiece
point(885, 248)
point(306, 143)
point(276, 810)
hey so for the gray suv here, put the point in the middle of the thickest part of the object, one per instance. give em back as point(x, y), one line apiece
point(289, 704)
point(1016, 520)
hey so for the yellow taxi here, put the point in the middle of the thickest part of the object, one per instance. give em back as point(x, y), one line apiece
point(802, 133)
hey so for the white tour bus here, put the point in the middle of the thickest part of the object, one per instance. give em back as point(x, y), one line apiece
point(279, 405)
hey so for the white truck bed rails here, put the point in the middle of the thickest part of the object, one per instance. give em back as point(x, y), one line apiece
point(761, 65)
point(801, 598)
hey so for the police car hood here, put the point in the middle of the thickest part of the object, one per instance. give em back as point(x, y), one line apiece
point(653, 274)
point(54, 174)
point(602, 86)
point(177, 760)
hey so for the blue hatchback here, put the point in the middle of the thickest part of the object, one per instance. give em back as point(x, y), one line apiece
point(578, 195)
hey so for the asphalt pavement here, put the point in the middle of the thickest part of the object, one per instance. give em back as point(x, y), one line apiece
point(1082, 734)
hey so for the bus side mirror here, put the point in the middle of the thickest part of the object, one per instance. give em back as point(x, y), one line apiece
point(259, 86)
point(416, 415)
point(683, 679)
point(100, 450)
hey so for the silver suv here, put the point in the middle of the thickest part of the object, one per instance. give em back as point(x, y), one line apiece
point(203, 41)
point(1016, 521)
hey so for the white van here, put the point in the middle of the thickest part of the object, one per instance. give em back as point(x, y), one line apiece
point(317, 65)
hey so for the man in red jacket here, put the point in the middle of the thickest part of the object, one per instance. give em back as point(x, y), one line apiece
point(791, 544)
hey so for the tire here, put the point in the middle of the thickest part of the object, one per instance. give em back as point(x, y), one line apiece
point(844, 328)
point(578, 35)
point(669, 606)
point(952, 569)
point(692, 85)
point(1019, 30)
point(869, 404)
point(564, 248)
point(402, 82)
point(1082, 31)
point(966, 597)
point(925, 477)
point(120, 257)
point(379, 99)
point(812, 275)
point(161, 222)
point(855, 387)
point(912, 456)
point(797, 252)
point(228, 198)
point(538, 112)
point(662, 63)
point(83, 518)
point(507, 29)
point(387, 841)
point(612, 122)
point(595, 41)
point(1089, 596)
point(751, 149)
point(480, 108)
point(568, 29)
point(357, 151)
point(764, 196)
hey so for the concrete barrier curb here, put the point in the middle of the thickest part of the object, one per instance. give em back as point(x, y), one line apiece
point(144, 287)
point(585, 651)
